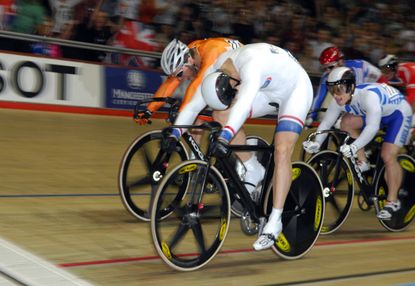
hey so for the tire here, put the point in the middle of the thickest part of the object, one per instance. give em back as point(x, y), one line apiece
point(303, 213)
point(403, 217)
point(141, 171)
point(338, 185)
point(195, 230)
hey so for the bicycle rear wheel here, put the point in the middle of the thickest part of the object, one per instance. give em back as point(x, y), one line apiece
point(141, 170)
point(198, 199)
point(303, 213)
point(338, 187)
point(403, 217)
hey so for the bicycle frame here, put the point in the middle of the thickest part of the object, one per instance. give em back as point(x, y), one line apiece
point(255, 211)
point(366, 188)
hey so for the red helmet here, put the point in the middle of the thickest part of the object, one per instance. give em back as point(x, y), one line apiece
point(330, 55)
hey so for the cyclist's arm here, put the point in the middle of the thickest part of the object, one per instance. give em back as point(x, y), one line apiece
point(332, 113)
point(240, 110)
point(189, 113)
point(166, 89)
point(206, 64)
point(373, 117)
point(319, 98)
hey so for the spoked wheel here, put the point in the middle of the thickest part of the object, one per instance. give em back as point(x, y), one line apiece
point(142, 168)
point(403, 217)
point(336, 176)
point(198, 199)
point(236, 204)
point(303, 213)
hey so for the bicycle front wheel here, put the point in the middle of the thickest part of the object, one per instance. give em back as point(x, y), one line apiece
point(337, 179)
point(197, 197)
point(141, 170)
point(303, 213)
point(403, 217)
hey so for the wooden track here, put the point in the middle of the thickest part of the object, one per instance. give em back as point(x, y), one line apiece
point(59, 200)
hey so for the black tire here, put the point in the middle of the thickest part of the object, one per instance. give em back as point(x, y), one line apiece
point(195, 230)
point(303, 213)
point(141, 170)
point(403, 217)
point(338, 187)
point(236, 204)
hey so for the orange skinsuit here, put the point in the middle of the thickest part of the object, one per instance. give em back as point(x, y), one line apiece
point(209, 50)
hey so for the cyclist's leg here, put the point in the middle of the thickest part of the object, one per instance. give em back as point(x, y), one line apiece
point(292, 115)
point(353, 124)
point(284, 147)
point(254, 170)
point(397, 135)
point(393, 171)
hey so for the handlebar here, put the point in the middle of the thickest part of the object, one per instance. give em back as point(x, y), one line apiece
point(327, 131)
point(213, 126)
point(173, 102)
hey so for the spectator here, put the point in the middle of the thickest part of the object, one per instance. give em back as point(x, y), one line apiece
point(62, 13)
point(44, 48)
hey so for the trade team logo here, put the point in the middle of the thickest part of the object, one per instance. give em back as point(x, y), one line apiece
point(135, 79)
point(267, 82)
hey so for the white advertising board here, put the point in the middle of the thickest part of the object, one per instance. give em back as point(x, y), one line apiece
point(49, 81)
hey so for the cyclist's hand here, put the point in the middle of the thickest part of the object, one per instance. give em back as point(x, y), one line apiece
point(349, 150)
point(169, 144)
point(143, 117)
point(220, 148)
point(311, 146)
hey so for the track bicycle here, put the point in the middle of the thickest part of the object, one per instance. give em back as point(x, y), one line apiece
point(143, 164)
point(338, 174)
point(198, 197)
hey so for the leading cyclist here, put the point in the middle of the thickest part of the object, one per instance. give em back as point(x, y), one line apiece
point(191, 63)
point(243, 82)
point(368, 107)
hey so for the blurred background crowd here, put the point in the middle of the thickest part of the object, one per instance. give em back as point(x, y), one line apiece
point(363, 29)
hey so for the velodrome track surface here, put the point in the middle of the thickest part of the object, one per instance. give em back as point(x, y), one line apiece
point(59, 206)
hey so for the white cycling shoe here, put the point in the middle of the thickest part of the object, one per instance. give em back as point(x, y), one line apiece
point(387, 212)
point(267, 239)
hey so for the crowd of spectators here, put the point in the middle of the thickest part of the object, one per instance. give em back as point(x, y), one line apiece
point(362, 29)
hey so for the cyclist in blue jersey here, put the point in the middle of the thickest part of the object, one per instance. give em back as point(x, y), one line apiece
point(368, 107)
point(332, 57)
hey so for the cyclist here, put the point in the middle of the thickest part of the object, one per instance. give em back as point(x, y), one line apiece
point(181, 62)
point(191, 63)
point(243, 82)
point(332, 57)
point(368, 107)
point(400, 75)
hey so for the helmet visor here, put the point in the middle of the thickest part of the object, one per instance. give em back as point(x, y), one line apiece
point(338, 88)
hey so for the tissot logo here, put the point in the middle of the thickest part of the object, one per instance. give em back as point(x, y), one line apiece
point(28, 78)
point(135, 79)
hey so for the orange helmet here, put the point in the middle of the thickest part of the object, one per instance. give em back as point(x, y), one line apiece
point(330, 55)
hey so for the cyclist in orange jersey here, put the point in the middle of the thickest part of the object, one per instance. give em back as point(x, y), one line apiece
point(190, 62)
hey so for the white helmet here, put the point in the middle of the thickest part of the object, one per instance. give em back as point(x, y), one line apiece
point(341, 78)
point(217, 90)
point(174, 56)
point(388, 61)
